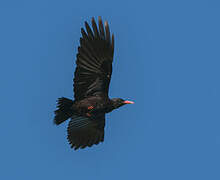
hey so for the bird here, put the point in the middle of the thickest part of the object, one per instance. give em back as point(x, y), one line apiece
point(91, 81)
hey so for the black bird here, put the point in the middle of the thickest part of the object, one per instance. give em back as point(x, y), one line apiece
point(91, 86)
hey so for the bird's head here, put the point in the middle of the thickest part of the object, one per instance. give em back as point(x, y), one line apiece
point(118, 102)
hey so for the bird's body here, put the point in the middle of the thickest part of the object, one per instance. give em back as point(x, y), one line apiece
point(91, 85)
point(92, 105)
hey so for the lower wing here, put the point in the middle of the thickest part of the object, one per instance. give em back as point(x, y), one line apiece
point(86, 131)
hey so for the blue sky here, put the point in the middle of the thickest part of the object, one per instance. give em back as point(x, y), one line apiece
point(167, 60)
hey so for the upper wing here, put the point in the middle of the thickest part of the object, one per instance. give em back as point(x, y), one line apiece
point(84, 131)
point(94, 61)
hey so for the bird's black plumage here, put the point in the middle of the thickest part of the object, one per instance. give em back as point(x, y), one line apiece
point(94, 61)
point(91, 85)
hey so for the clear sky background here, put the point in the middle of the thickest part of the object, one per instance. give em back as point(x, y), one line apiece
point(167, 59)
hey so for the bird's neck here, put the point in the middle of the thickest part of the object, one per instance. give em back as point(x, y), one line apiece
point(110, 107)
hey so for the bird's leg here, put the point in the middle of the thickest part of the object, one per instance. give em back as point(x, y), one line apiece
point(88, 114)
point(90, 108)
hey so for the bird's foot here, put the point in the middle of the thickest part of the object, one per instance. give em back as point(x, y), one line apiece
point(90, 107)
point(88, 114)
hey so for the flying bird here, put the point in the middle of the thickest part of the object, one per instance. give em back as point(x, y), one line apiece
point(91, 86)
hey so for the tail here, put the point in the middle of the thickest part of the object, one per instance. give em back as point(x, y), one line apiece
point(64, 111)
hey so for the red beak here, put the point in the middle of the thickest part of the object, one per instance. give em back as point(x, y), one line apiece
point(128, 102)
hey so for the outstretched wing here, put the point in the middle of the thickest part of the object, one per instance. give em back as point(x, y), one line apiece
point(84, 131)
point(94, 61)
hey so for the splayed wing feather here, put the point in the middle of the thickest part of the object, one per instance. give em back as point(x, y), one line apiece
point(101, 29)
point(107, 32)
point(89, 31)
point(95, 29)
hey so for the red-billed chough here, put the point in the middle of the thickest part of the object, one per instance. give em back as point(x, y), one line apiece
point(91, 86)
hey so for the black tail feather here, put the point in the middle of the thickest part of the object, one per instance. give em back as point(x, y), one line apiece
point(64, 111)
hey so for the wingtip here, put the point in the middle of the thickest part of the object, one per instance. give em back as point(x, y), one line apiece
point(86, 23)
point(101, 28)
point(93, 19)
point(95, 28)
point(83, 33)
point(106, 24)
point(99, 19)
